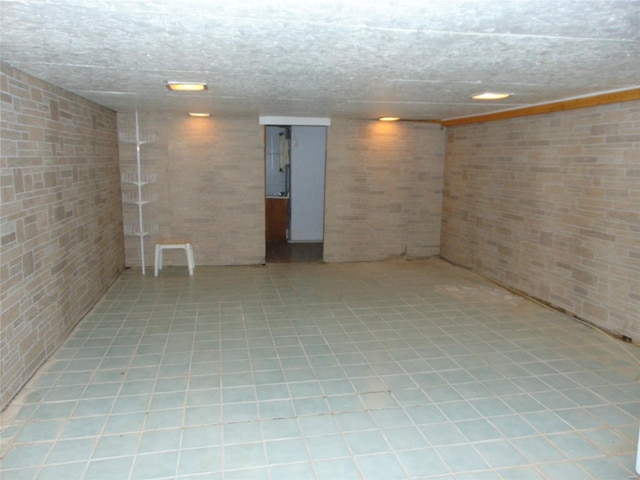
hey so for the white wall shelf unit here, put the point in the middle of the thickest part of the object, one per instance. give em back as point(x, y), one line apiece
point(140, 198)
point(133, 199)
point(132, 231)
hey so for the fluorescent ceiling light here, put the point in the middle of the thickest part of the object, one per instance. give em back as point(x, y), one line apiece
point(186, 86)
point(490, 96)
point(389, 119)
point(280, 120)
point(195, 114)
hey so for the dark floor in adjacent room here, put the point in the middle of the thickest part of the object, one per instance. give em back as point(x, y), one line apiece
point(284, 252)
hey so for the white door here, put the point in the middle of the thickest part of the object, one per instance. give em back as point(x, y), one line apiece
point(308, 153)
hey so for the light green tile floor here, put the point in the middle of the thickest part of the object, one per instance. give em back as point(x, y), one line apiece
point(326, 371)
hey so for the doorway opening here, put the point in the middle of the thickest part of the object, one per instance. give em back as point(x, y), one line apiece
point(294, 203)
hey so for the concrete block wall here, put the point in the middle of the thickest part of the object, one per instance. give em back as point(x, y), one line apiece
point(383, 190)
point(550, 205)
point(209, 187)
point(61, 219)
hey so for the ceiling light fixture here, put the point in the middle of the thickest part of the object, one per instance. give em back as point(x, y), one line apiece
point(389, 119)
point(490, 96)
point(186, 86)
point(195, 114)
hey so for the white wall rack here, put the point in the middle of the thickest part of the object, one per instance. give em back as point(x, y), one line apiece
point(132, 231)
point(135, 200)
point(137, 178)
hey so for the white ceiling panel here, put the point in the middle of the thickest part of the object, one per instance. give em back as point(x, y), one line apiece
point(356, 59)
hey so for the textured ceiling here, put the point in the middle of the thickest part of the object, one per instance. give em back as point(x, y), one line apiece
point(418, 59)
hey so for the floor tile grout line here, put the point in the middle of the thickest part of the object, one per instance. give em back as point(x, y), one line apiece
point(378, 328)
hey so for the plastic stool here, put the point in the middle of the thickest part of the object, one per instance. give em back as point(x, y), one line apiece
point(174, 244)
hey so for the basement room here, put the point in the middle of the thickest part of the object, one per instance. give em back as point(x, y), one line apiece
point(315, 240)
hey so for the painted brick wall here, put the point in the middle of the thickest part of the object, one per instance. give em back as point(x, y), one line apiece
point(61, 219)
point(550, 205)
point(209, 187)
point(383, 190)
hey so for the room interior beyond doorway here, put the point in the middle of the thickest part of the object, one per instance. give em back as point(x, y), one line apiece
point(294, 203)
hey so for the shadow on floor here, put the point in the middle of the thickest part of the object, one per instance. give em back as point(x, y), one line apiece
point(284, 252)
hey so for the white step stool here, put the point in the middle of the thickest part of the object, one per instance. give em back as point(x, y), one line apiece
point(173, 244)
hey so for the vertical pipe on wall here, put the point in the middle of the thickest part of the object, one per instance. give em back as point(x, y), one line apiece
point(638, 455)
point(139, 182)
